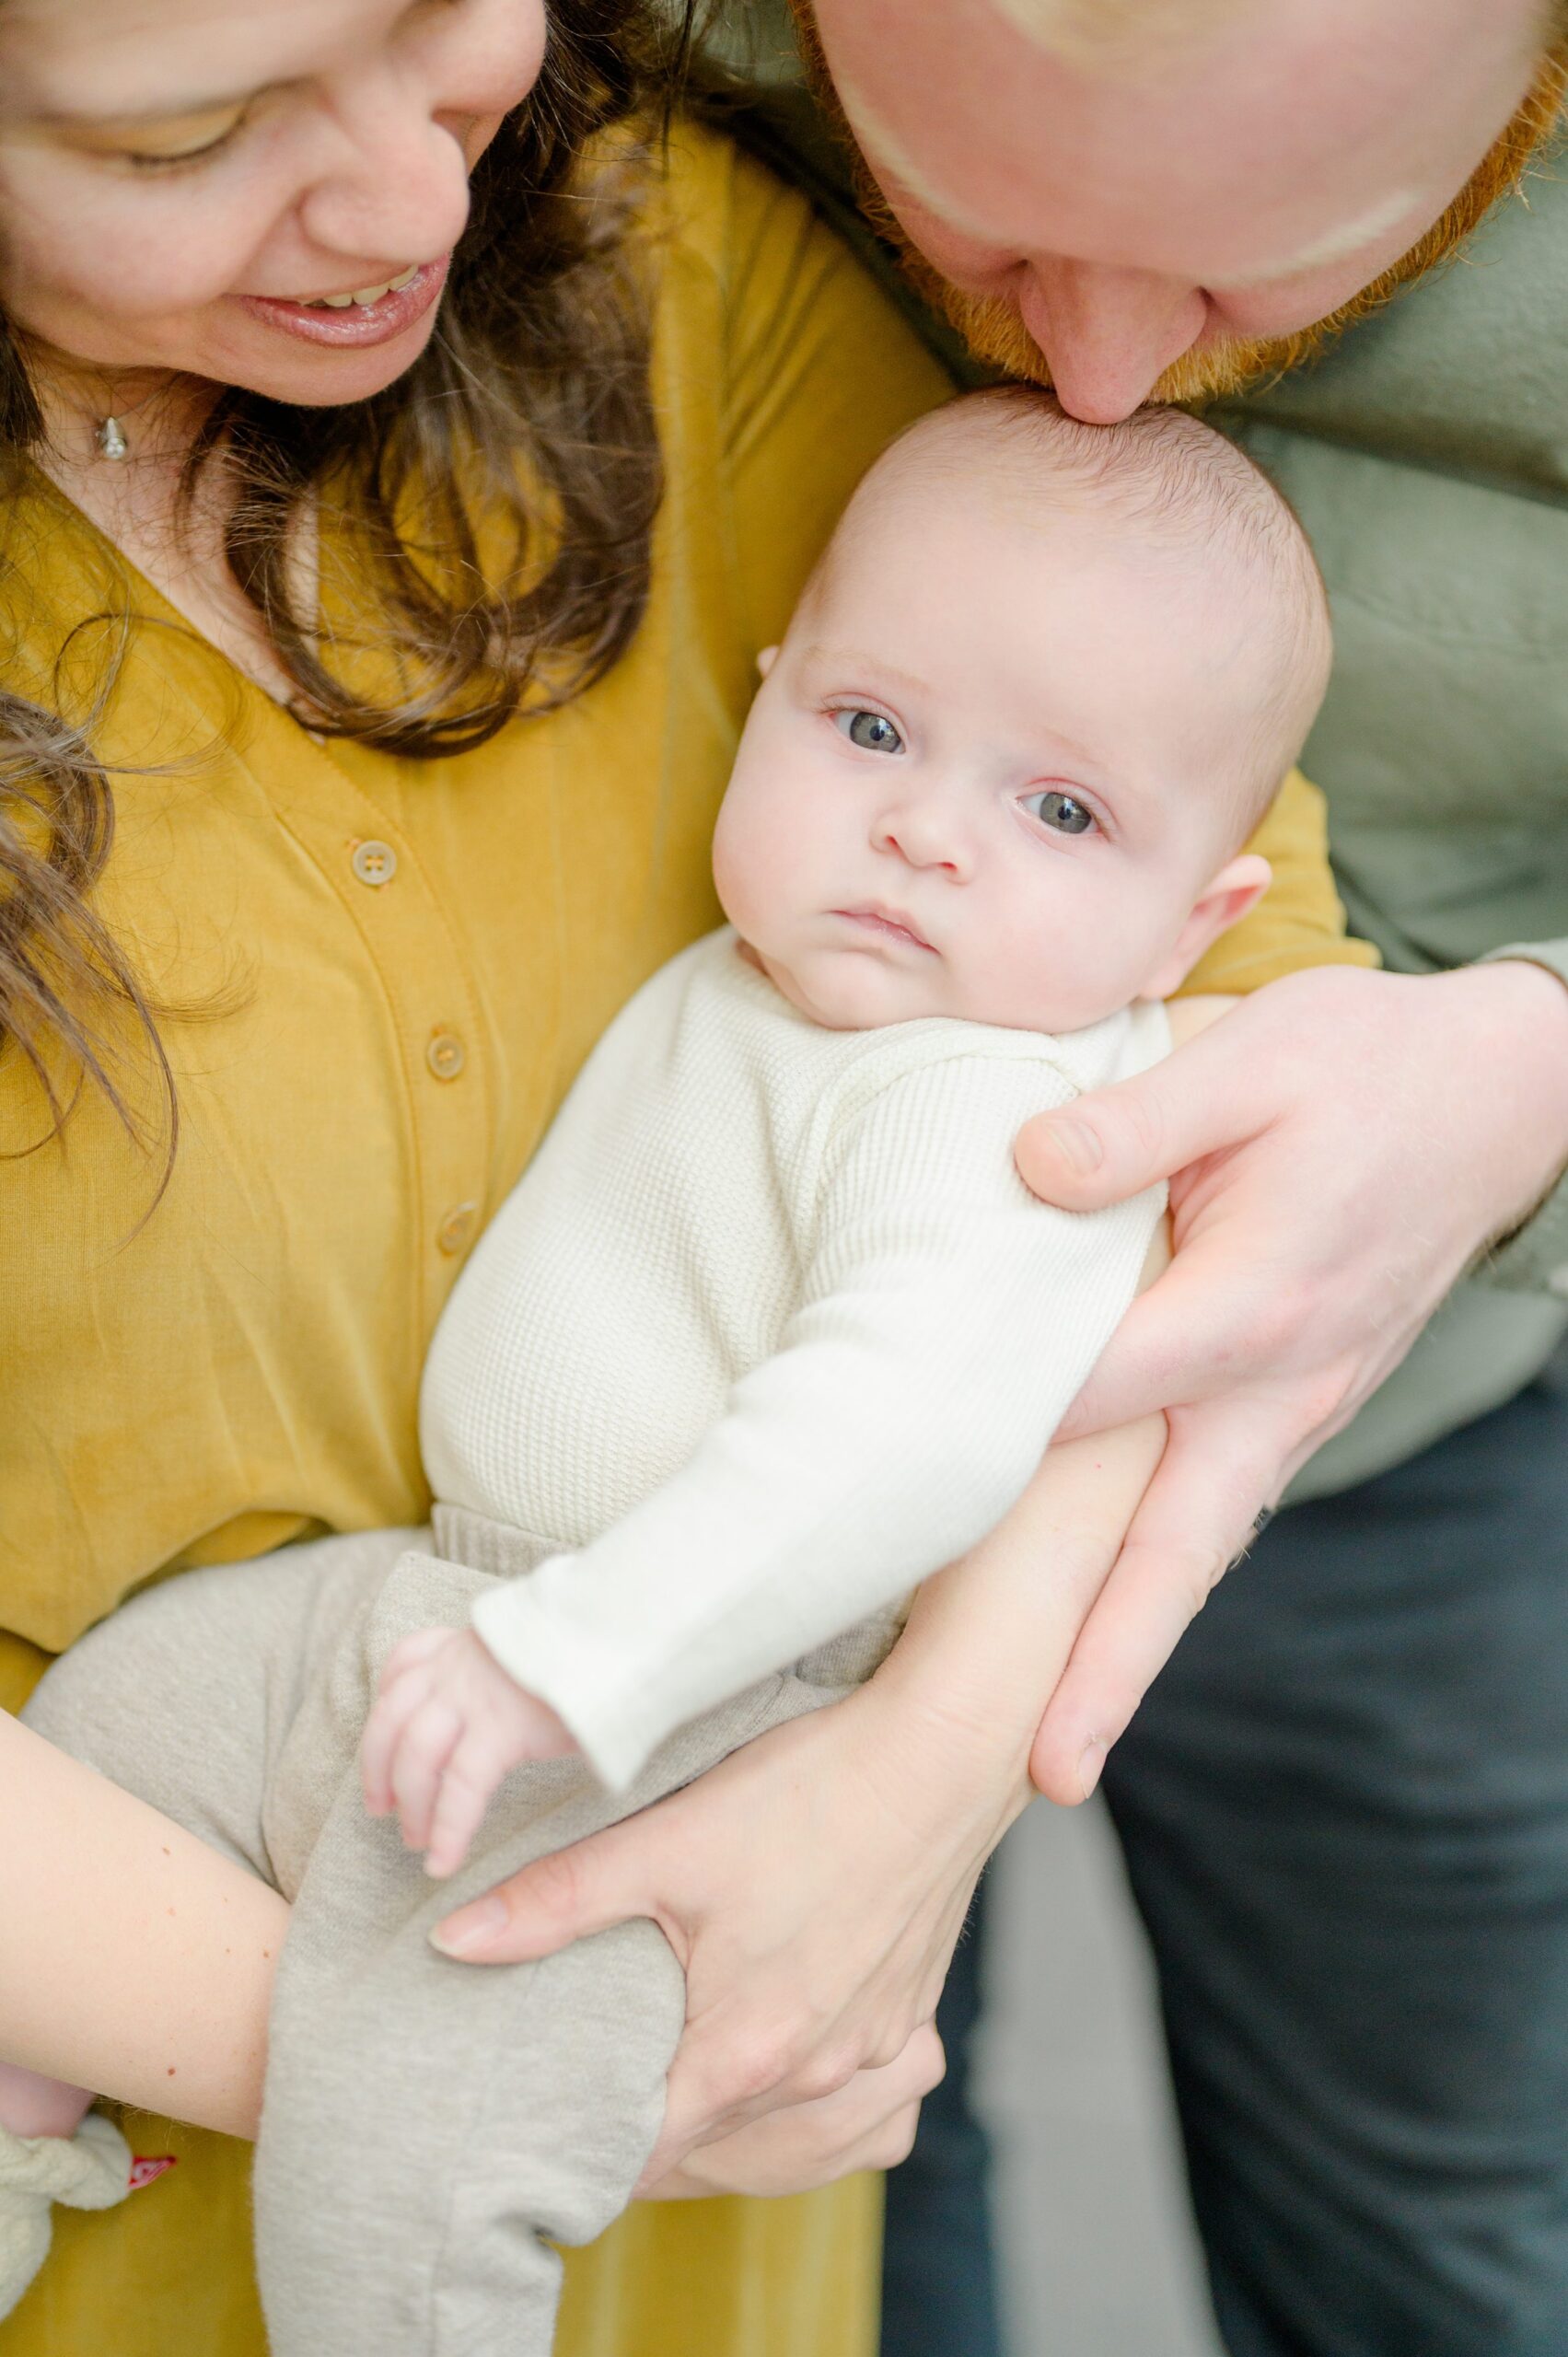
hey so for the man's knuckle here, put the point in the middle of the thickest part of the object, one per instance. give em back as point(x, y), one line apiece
point(1324, 1397)
point(765, 2061)
point(1136, 1123)
point(828, 2069)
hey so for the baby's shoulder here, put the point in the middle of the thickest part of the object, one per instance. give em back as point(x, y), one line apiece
point(974, 1060)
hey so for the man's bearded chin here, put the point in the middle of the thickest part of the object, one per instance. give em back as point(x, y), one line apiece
point(996, 335)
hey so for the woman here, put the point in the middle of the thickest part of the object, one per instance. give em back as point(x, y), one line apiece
point(340, 582)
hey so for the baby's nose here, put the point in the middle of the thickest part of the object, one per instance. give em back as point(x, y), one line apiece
point(921, 835)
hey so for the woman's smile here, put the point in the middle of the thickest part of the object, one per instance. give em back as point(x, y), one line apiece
point(370, 316)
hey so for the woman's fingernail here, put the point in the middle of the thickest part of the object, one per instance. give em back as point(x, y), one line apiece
point(1091, 1759)
point(470, 1927)
point(1077, 1143)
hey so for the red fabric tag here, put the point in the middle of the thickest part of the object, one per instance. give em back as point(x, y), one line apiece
point(144, 2172)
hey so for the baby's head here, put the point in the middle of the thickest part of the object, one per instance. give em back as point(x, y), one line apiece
point(1042, 687)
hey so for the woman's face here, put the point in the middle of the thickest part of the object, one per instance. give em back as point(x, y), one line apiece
point(181, 181)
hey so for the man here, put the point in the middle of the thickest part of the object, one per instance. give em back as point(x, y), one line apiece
point(1346, 1805)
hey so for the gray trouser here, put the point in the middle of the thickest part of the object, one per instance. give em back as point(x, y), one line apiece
point(428, 2125)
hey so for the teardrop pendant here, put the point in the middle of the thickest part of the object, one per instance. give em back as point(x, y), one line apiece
point(110, 440)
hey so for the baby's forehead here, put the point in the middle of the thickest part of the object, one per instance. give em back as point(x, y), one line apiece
point(1162, 481)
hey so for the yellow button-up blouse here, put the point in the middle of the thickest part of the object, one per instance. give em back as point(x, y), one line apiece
point(385, 974)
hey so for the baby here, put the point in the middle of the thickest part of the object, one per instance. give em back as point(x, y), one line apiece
point(770, 1331)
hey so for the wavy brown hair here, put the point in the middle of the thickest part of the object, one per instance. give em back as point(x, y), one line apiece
point(528, 423)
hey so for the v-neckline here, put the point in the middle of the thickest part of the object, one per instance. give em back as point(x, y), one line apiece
point(163, 609)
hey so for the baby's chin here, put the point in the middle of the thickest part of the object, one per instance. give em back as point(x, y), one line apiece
point(854, 990)
point(860, 990)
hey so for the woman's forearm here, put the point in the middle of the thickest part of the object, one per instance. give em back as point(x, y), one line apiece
point(133, 1958)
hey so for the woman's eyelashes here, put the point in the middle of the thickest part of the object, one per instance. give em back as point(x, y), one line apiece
point(872, 731)
point(1061, 812)
point(175, 159)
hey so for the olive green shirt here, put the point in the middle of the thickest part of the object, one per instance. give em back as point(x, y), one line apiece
point(1427, 455)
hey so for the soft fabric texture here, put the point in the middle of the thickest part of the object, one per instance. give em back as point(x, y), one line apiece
point(90, 2170)
point(430, 2131)
point(770, 1330)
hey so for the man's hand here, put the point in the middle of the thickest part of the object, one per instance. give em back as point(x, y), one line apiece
point(1339, 1148)
point(446, 1726)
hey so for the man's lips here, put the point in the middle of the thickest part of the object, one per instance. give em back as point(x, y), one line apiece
point(886, 922)
point(360, 323)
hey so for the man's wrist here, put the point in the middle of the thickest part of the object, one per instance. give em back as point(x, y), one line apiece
point(1528, 1251)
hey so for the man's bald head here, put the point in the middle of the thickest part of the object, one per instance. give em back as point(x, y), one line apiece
point(1131, 196)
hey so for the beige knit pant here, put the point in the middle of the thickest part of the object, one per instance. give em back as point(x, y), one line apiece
point(429, 2127)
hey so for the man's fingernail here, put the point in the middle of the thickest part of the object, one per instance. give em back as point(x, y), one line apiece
point(470, 1927)
point(1091, 1759)
point(1076, 1142)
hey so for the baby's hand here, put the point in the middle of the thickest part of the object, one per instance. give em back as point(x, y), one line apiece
point(446, 1726)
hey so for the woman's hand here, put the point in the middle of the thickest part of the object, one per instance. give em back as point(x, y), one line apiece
point(813, 1885)
point(1339, 1149)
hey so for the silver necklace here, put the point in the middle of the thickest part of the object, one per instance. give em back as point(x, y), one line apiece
point(109, 436)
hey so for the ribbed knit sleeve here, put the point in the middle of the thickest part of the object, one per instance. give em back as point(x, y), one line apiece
point(945, 1321)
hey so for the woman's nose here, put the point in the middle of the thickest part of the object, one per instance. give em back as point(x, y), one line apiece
point(398, 191)
point(1107, 335)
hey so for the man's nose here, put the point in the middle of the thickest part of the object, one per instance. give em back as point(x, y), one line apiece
point(1107, 335)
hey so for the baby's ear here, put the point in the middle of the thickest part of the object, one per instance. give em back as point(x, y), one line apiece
point(766, 660)
point(1223, 901)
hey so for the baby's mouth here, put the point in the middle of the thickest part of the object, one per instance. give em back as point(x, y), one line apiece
point(889, 922)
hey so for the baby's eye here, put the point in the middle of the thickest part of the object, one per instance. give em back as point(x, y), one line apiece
point(872, 731)
point(1062, 811)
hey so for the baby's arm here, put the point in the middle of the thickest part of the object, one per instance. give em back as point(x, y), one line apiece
point(948, 1319)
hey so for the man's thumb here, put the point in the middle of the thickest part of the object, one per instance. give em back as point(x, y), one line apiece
point(546, 1906)
point(1117, 1141)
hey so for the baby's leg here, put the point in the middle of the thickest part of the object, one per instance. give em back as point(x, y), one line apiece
point(186, 1694)
point(429, 2124)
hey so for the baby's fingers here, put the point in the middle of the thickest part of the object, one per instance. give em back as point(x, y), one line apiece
point(469, 1779)
point(383, 1734)
point(404, 1687)
point(419, 1764)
